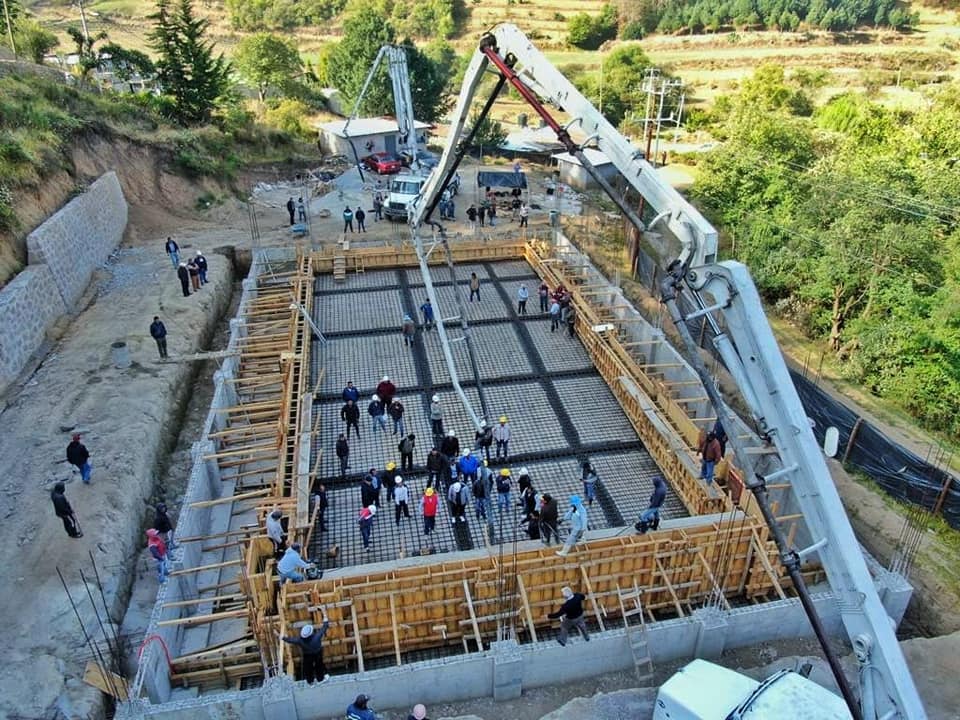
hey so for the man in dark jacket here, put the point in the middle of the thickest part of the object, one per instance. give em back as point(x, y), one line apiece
point(406, 447)
point(549, 516)
point(173, 250)
point(450, 447)
point(343, 453)
point(158, 331)
point(360, 215)
point(310, 643)
point(650, 518)
point(370, 489)
point(483, 439)
point(395, 410)
point(437, 467)
point(201, 263)
point(63, 510)
point(377, 410)
point(350, 414)
point(386, 390)
point(184, 275)
point(78, 456)
point(291, 209)
point(319, 500)
point(163, 525)
point(572, 613)
point(710, 455)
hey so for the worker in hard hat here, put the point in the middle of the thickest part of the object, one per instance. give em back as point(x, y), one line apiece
point(504, 486)
point(577, 515)
point(467, 468)
point(501, 434)
point(378, 414)
point(482, 490)
point(590, 479)
point(310, 643)
point(436, 467)
point(365, 519)
point(389, 473)
point(428, 508)
point(458, 497)
point(401, 494)
point(483, 438)
point(436, 419)
point(395, 411)
point(450, 447)
point(386, 390)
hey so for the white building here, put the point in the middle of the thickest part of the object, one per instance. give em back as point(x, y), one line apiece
point(367, 135)
point(575, 175)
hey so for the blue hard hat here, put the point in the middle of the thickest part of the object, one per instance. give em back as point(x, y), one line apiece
point(575, 500)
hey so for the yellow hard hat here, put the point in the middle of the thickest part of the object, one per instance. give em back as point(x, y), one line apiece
point(428, 492)
point(505, 472)
point(503, 418)
point(391, 466)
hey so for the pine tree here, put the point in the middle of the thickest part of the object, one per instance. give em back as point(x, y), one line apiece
point(187, 70)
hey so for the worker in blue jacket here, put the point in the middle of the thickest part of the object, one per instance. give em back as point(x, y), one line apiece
point(577, 515)
point(650, 518)
point(467, 467)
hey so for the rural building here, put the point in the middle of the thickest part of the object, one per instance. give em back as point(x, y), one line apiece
point(368, 135)
point(576, 176)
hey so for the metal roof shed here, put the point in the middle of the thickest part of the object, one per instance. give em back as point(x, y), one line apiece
point(368, 135)
point(575, 175)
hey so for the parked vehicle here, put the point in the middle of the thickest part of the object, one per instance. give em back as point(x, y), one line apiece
point(383, 163)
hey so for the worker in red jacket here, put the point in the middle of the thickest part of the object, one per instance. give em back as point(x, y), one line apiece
point(710, 455)
point(385, 391)
point(428, 506)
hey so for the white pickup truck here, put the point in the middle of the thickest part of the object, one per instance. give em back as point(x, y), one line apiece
point(704, 691)
point(404, 188)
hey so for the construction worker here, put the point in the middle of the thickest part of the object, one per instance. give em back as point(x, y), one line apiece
point(589, 478)
point(291, 564)
point(501, 434)
point(301, 210)
point(572, 613)
point(360, 215)
point(163, 525)
point(503, 490)
point(419, 712)
point(427, 311)
point(650, 518)
point(194, 270)
point(401, 494)
point(310, 643)
point(173, 251)
point(350, 414)
point(158, 331)
point(350, 392)
point(79, 457)
point(387, 478)
point(370, 488)
point(548, 518)
point(291, 210)
point(554, 315)
point(481, 488)
point(343, 454)
point(474, 286)
point(523, 480)
point(365, 519)
point(158, 551)
point(319, 500)
point(396, 415)
point(458, 497)
point(202, 267)
point(436, 419)
point(428, 508)
point(524, 214)
point(467, 467)
point(275, 533)
point(571, 320)
point(450, 447)
point(528, 503)
point(386, 390)
point(378, 414)
point(406, 448)
point(63, 510)
point(577, 515)
point(543, 292)
point(483, 439)
point(709, 450)
point(347, 219)
point(408, 329)
point(522, 296)
point(183, 275)
point(358, 710)
point(436, 467)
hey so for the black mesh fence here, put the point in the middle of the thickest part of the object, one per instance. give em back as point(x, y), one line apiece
point(900, 472)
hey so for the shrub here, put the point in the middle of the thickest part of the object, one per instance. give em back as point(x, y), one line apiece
point(288, 115)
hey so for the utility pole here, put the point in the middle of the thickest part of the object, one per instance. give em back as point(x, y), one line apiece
point(6, 17)
point(657, 90)
point(83, 21)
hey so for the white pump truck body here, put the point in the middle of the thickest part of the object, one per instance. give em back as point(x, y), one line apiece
point(747, 346)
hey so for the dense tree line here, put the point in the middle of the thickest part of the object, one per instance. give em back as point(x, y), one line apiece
point(847, 216)
point(421, 19)
point(633, 19)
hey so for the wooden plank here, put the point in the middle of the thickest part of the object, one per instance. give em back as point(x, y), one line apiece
point(473, 616)
point(765, 561)
point(356, 636)
point(666, 579)
point(204, 619)
point(201, 568)
point(396, 632)
point(106, 681)
point(596, 606)
point(232, 498)
point(526, 607)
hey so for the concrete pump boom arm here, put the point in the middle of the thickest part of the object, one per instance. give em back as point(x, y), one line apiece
point(747, 346)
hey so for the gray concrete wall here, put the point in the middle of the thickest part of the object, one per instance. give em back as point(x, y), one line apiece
point(29, 305)
point(63, 253)
point(80, 236)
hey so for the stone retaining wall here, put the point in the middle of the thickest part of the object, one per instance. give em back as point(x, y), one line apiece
point(63, 252)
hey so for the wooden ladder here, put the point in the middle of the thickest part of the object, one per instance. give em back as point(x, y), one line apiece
point(358, 264)
point(339, 268)
point(631, 605)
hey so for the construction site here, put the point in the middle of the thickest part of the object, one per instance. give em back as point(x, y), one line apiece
point(760, 554)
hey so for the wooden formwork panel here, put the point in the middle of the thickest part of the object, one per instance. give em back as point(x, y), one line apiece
point(405, 256)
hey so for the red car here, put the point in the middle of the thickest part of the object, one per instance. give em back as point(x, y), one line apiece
point(383, 163)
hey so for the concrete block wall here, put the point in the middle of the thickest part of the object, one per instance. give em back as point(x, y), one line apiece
point(80, 236)
point(29, 305)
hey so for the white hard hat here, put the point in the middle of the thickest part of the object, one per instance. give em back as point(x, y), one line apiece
point(375, 397)
point(385, 378)
point(451, 434)
point(483, 423)
point(523, 471)
point(466, 452)
point(199, 253)
point(397, 480)
point(456, 486)
point(306, 631)
point(435, 398)
point(372, 509)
